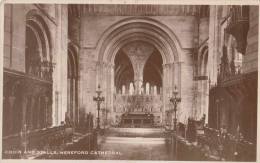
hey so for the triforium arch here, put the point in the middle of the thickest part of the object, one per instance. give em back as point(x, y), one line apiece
point(30, 95)
point(73, 73)
point(138, 29)
point(37, 24)
point(38, 58)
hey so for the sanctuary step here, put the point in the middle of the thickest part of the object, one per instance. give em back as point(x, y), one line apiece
point(135, 132)
point(134, 144)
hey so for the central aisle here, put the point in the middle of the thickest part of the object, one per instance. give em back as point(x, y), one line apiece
point(134, 144)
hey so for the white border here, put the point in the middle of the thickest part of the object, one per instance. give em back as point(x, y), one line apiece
point(179, 2)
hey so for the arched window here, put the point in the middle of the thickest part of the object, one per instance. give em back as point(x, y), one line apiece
point(131, 88)
point(155, 90)
point(124, 72)
point(123, 89)
point(147, 88)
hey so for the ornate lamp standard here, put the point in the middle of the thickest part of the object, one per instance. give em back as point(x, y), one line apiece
point(99, 100)
point(174, 100)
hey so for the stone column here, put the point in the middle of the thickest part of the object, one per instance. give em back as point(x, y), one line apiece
point(171, 78)
point(24, 108)
point(73, 93)
point(46, 111)
point(60, 57)
point(69, 94)
point(6, 116)
point(11, 100)
point(138, 78)
point(112, 87)
point(206, 99)
point(200, 94)
point(70, 106)
point(187, 89)
point(165, 95)
point(38, 112)
point(31, 113)
point(77, 99)
point(213, 43)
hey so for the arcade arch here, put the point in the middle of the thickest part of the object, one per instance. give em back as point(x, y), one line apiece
point(145, 30)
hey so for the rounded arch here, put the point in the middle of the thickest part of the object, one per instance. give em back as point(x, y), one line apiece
point(153, 70)
point(124, 72)
point(143, 29)
point(37, 36)
point(72, 85)
point(72, 60)
point(203, 60)
point(36, 21)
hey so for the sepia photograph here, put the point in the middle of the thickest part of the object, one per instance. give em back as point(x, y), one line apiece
point(154, 82)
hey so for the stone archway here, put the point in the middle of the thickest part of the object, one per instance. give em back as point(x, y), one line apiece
point(72, 85)
point(132, 30)
point(202, 82)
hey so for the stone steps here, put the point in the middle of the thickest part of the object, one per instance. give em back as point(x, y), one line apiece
point(136, 140)
point(136, 132)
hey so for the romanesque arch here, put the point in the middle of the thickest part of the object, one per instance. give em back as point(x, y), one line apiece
point(36, 23)
point(203, 60)
point(145, 30)
point(73, 74)
point(202, 81)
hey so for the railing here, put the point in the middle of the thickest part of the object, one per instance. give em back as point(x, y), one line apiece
point(42, 70)
point(230, 78)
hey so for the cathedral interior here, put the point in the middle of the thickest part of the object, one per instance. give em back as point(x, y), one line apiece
point(130, 82)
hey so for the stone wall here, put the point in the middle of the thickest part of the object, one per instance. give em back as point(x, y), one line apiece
point(60, 33)
point(250, 60)
point(93, 29)
point(14, 42)
point(55, 17)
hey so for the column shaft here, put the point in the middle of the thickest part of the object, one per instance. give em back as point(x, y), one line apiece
point(11, 100)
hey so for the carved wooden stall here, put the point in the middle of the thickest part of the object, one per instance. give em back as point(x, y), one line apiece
point(233, 101)
point(27, 104)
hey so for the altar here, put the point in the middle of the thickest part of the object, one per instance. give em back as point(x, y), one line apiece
point(137, 120)
point(138, 110)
